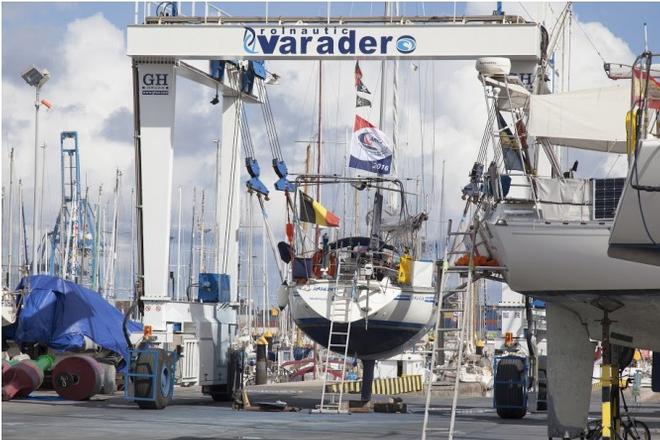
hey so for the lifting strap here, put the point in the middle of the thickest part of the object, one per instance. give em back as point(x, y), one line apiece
point(283, 184)
point(269, 232)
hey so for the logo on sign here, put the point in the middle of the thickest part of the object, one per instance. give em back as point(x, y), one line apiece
point(249, 40)
point(372, 143)
point(322, 41)
point(406, 44)
point(154, 84)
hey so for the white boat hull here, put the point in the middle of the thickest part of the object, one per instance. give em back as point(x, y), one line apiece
point(560, 258)
point(396, 318)
point(568, 265)
point(636, 230)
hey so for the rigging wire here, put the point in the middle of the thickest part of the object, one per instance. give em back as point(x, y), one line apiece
point(269, 233)
point(586, 34)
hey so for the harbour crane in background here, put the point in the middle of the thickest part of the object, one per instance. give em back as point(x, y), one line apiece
point(73, 254)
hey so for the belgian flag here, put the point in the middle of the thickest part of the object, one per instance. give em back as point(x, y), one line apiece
point(312, 211)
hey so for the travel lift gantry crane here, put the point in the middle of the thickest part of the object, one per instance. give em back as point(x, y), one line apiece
point(73, 239)
point(159, 46)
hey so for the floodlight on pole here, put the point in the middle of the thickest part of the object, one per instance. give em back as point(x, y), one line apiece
point(36, 78)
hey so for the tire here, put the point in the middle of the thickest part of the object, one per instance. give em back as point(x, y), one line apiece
point(225, 393)
point(636, 430)
point(510, 397)
point(219, 393)
point(542, 399)
point(145, 364)
point(542, 402)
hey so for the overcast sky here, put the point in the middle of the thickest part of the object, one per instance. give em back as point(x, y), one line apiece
point(442, 111)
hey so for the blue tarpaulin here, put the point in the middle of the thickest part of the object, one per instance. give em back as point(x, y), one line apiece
point(60, 313)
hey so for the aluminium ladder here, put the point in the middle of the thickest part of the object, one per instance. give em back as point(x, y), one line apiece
point(338, 341)
point(454, 299)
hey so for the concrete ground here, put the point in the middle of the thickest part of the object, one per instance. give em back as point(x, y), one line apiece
point(193, 416)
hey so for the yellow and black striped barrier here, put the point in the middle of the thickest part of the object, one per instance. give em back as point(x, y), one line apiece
point(623, 383)
point(392, 385)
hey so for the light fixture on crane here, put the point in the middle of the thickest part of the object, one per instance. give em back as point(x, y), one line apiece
point(35, 77)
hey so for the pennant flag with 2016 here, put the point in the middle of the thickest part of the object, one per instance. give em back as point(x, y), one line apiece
point(311, 211)
point(371, 150)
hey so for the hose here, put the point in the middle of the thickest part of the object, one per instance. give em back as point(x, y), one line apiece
point(124, 325)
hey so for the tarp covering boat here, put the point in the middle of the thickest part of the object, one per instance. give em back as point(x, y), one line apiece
point(60, 314)
point(565, 199)
point(591, 119)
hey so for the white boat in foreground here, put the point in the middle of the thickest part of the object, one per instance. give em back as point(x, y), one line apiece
point(389, 307)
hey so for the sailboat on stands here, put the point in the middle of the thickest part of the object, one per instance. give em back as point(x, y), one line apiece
point(372, 290)
point(551, 229)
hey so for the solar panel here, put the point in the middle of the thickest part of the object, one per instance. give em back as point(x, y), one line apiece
point(607, 193)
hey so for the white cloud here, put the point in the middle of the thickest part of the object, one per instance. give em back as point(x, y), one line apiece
point(95, 84)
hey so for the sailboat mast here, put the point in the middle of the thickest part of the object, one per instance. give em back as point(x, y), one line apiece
point(202, 266)
point(23, 230)
point(441, 229)
point(133, 238)
point(96, 270)
point(264, 274)
point(178, 249)
point(10, 255)
point(192, 243)
point(250, 268)
point(110, 268)
point(378, 197)
point(318, 150)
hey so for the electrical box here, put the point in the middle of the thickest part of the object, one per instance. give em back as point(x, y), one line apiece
point(213, 287)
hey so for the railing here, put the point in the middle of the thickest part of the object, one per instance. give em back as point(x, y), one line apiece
point(347, 261)
point(144, 10)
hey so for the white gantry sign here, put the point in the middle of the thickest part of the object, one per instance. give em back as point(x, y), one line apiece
point(519, 41)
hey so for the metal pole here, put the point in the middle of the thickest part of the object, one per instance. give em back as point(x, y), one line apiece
point(10, 254)
point(317, 233)
point(191, 272)
point(36, 178)
point(97, 242)
point(202, 265)
point(250, 263)
point(41, 196)
point(21, 227)
point(606, 378)
point(442, 208)
point(218, 213)
point(178, 252)
point(265, 274)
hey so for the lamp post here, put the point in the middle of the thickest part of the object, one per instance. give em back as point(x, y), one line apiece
point(35, 78)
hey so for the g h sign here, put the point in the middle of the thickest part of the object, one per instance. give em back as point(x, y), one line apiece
point(155, 84)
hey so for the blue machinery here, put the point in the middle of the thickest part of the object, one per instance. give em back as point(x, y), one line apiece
point(150, 376)
point(252, 70)
point(73, 241)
